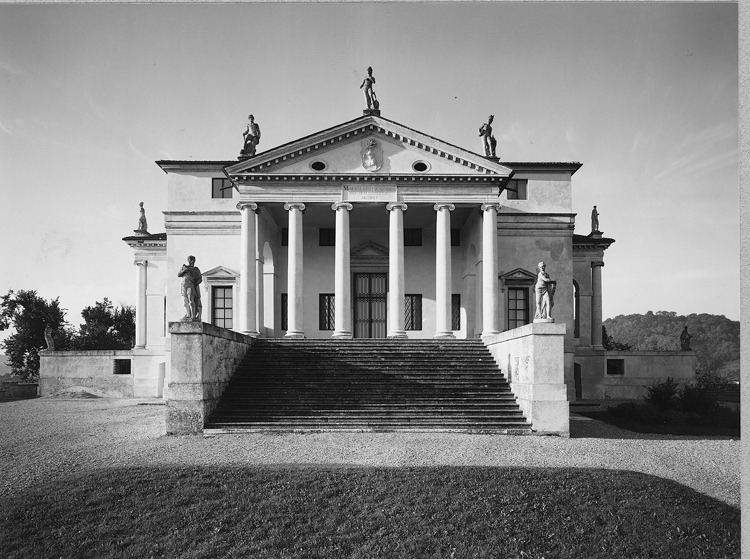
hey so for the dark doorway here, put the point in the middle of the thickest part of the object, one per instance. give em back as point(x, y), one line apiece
point(370, 309)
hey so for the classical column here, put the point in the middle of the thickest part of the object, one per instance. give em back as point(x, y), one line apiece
point(342, 277)
point(396, 287)
point(596, 305)
point(490, 305)
point(247, 318)
point(141, 316)
point(443, 271)
point(295, 311)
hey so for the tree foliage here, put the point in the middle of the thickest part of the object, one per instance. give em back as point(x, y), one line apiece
point(716, 339)
point(28, 314)
point(611, 344)
point(106, 327)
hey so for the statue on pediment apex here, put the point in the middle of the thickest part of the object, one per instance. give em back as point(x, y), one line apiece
point(142, 225)
point(251, 136)
point(594, 220)
point(370, 97)
point(488, 140)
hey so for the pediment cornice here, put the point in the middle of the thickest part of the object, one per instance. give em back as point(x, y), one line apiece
point(264, 164)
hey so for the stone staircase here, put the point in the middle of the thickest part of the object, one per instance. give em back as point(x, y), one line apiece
point(368, 385)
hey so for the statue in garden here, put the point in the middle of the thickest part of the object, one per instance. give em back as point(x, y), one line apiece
point(48, 332)
point(594, 220)
point(191, 279)
point(685, 340)
point(370, 97)
point(251, 136)
point(488, 140)
point(545, 293)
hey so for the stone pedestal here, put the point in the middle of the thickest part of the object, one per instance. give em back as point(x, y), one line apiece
point(373, 112)
point(533, 359)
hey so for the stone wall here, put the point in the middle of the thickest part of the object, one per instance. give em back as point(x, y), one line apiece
point(601, 378)
point(532, 357)
point(203, 360)
point(93, 370)
point(15, 390)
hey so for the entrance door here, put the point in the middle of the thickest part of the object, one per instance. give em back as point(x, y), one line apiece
point(370, 314)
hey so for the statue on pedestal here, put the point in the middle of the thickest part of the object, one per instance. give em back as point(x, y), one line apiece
point(685, 340)
point(545, 294)
point(251, 136)
point(488, 140)
point(594, 220)
point(370, 97)
point(48, 331)
point(191, 279)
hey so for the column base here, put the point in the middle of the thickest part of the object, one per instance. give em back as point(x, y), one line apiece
point(294, 335)
point(444, 336)
point(397, 335)
point(343, 335)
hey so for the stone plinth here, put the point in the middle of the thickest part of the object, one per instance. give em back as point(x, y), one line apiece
point(203, 359)
point(533, 359)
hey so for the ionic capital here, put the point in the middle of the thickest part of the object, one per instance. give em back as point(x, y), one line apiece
point(490, 205)
point(143, 263)
point(390, 206)
point(444, 206)
point(294, 206)
point(599, 264)
point(247, 205)
point(341, 205)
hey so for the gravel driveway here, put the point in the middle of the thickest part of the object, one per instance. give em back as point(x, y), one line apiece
point(49, 438)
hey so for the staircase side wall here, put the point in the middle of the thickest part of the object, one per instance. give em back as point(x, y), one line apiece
point(533, 359)
point(204, 358)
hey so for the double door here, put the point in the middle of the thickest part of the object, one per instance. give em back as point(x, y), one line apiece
point(370, 305)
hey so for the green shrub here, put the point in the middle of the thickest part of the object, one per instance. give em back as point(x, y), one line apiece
point(662, 394)
point(696, 399)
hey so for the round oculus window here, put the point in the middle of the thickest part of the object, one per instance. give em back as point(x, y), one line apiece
point(318, 165)
point(420, 166)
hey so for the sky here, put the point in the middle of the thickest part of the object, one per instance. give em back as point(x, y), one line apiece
point(644, 95)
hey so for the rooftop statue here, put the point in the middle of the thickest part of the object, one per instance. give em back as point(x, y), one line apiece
point(545, 293)
point(370, 97)
point(191, 278)
point(594, 220)
point(251, 136)
point(48, 331)
point(142, 225)
point(488, 140)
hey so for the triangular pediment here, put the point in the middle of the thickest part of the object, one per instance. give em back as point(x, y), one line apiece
point(369, 250)
point(221, 272)
point(368, 146)
point(519, 275)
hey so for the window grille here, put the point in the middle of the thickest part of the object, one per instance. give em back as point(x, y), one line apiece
point(412, 237)
point(413, 312)
point(518, 307)
point(456, 311)
point(221, 188)
point(222, 307)
point(122, 366)
point(517, 189)
point(327, 237)
point(326, 311)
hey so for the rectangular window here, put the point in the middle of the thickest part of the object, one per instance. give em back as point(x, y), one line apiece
point(221, 307)
point(326, 311)
point(122, 367)
point(455, 237)
point(327, 237)
point(413, 312)
point(615, 366)
point(518, 307)
point(221, 188)
point(284, 237)
point(517, 189)
point(412, 237)
point(284, 311)
point(456, 311)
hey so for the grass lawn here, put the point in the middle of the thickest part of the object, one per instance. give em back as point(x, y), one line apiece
point(460, 512)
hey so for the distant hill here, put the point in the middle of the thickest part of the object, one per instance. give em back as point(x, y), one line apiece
point(716, 339)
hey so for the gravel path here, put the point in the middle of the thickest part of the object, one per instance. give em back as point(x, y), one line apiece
point(49, 438)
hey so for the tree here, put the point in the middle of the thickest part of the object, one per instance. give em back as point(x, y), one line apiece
point(28, 314)
point(610, 343)
point(106, 327)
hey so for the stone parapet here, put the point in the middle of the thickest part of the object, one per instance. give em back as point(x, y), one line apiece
point(533, 359)
point(203, 359)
